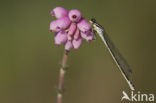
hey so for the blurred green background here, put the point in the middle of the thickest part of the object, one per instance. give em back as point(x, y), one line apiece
point(29, 60)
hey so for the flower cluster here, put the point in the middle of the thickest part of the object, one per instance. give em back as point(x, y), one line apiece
point(70, 27)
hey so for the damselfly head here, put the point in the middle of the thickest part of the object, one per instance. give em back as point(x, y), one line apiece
point(95, 25)
point(92, 21)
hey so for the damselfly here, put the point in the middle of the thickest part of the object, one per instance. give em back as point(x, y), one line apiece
point(118, 58)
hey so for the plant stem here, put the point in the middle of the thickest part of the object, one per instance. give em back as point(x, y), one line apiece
point(61, 77)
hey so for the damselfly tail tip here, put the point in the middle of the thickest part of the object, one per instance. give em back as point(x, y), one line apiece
point(131, 85)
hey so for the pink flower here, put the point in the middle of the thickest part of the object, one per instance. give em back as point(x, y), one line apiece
point(77, 34)
point(59, 12)
point(70, 28)
point(84, 26)
point(74, 15)
point(68, 45)
point(77, 43)
point(60, 37)
point(88, 37)
point(59, 24)
point(63, 23)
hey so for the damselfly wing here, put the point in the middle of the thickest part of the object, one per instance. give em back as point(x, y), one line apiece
point(117, 57)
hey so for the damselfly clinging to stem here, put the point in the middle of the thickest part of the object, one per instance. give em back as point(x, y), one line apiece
point(119, 60)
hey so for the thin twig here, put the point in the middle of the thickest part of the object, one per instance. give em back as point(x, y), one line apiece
point(61, 77)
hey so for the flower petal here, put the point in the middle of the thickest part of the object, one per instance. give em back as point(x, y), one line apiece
point(84, 26)
point(68, 45)
point(74, 15)
point(59, 12)
point(77, 43)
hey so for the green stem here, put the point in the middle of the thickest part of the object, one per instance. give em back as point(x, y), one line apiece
point(61, 77)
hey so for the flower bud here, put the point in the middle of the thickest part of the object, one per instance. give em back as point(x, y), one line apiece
point(59, 12)
point(88, 37)
point(77, 34)
point(63, 23)
point(61, 37)
point(54, 26)
point(71, 29)
point(74, 15)
point(84, 26)
point(68, 45)
point(77, 43)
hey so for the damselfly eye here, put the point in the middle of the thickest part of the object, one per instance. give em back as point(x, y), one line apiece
point(93, 20)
